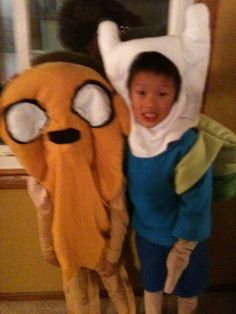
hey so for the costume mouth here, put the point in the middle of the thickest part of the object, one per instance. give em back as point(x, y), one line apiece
point(65, 136)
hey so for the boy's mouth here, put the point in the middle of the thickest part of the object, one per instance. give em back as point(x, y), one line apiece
point(149, 115)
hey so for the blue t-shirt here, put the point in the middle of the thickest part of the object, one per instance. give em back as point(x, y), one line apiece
point(158, 213)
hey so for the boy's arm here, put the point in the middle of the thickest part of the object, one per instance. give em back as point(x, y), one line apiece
point(119, 221)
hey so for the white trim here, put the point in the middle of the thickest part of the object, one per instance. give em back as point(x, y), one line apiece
point(176, 15)
point(21, 33)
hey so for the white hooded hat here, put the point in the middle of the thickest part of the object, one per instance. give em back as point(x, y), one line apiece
point(189, 51)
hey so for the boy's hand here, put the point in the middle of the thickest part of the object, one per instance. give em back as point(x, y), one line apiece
point(110, 269)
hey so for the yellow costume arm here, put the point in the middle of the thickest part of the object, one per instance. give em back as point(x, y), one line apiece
point(44, 210)
point(177, 261)
point(119, 222)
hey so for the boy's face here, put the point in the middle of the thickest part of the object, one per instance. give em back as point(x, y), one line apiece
point(152, 97)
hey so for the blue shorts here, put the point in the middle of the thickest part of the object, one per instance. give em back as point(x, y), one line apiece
point(194, 279)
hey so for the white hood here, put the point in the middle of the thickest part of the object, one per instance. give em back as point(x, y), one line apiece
point(189, 52)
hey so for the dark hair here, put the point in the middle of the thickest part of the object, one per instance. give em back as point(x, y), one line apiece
point(152, 61)
point(78, 21)
point(69, 57)
point(75, 32)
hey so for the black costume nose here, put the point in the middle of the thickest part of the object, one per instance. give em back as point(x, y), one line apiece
point(66, 136)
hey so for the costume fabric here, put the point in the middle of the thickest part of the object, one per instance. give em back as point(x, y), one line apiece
point(56, 144)
point(160, 217)
point(215, 145)
point(82, 292)
point(159, 214)
point(118, 222)
point(61, 121)
point(189, 51)
point(153, 257)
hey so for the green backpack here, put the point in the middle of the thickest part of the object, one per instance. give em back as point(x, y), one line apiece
point(216, 146)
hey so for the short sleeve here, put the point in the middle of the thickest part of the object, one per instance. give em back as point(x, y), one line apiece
point(194, 216)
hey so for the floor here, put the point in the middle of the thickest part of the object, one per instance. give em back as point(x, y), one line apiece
point(211, 303)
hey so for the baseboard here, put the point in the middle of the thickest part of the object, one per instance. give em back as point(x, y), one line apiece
point(58, 295)
point(32, 296)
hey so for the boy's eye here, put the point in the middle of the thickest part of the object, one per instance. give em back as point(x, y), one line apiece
point(162, 94)
point(140, 92)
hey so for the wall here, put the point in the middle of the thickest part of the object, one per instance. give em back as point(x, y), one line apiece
point(22, 266)
point(221, 104)
point(221, 96)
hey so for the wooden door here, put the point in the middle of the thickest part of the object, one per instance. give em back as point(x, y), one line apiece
point(220, 100)
point(213, 6)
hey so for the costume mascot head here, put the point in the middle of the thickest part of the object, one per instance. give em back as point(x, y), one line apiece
point(66, 126)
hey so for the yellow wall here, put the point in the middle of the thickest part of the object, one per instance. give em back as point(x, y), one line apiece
point(221, 105)
point(22, 269)
point(221, 92)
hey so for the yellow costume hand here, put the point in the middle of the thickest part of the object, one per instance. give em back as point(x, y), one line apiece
point(110, 268)
point(177, 262)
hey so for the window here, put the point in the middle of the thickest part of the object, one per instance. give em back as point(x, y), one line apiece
point(7, 51)
point(29, 27)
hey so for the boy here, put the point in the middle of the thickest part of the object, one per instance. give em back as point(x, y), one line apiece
point(170, 229)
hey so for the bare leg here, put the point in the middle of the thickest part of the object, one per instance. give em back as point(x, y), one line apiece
point(120, 292)
point(153, 302)
point(187, 305)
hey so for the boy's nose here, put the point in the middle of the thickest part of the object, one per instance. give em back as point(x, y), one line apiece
point(151, 102)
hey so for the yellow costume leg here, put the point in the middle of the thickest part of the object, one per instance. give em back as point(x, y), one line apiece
point(120, 292)
point(82, 293)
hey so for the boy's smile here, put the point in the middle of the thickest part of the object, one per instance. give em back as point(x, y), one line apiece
point(152, 97)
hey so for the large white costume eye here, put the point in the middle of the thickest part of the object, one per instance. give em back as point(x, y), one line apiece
point(25, 120)
point(93, 103)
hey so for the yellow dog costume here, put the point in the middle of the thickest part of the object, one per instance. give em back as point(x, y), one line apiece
point(66, 127)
